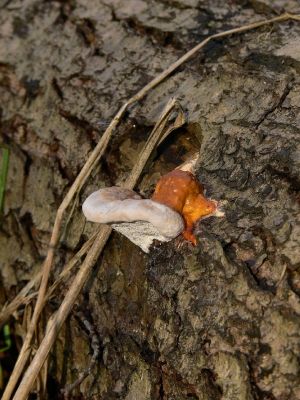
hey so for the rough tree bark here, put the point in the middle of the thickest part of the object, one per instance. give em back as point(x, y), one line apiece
point(218, 321)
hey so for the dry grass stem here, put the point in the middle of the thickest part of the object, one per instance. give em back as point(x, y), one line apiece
point(86, 267)
point(24, 297)
point(21, 299)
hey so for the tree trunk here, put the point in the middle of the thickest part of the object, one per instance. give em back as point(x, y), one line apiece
point(216, 321)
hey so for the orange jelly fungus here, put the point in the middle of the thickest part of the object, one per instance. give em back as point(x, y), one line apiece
point(181, 191)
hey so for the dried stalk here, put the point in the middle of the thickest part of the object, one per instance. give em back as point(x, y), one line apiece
point(21, 299)
point(81, 178)
point(24, 298)
point(84, 174)
point(86, 267)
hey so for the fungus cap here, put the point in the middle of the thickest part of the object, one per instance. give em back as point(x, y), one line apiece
point(141, 220)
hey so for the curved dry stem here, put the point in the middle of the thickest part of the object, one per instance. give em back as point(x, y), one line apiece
point(84, 272)
point(79, 181)
point(24, 297)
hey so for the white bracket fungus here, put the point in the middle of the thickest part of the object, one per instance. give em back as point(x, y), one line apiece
point(140, 220)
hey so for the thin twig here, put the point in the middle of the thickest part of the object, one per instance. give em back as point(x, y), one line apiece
point(86, 267)
point(24, 298)
point(83, 175)
point(69, 266)
point(3, 175)
point(19, 300)
point(81, 178)
point(71, 213)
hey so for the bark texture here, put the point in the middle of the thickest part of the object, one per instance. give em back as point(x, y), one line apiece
point(218, 321)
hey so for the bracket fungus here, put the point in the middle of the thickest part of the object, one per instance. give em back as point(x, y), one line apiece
point(141, 220)
point(181, 191)
point(178, 202)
